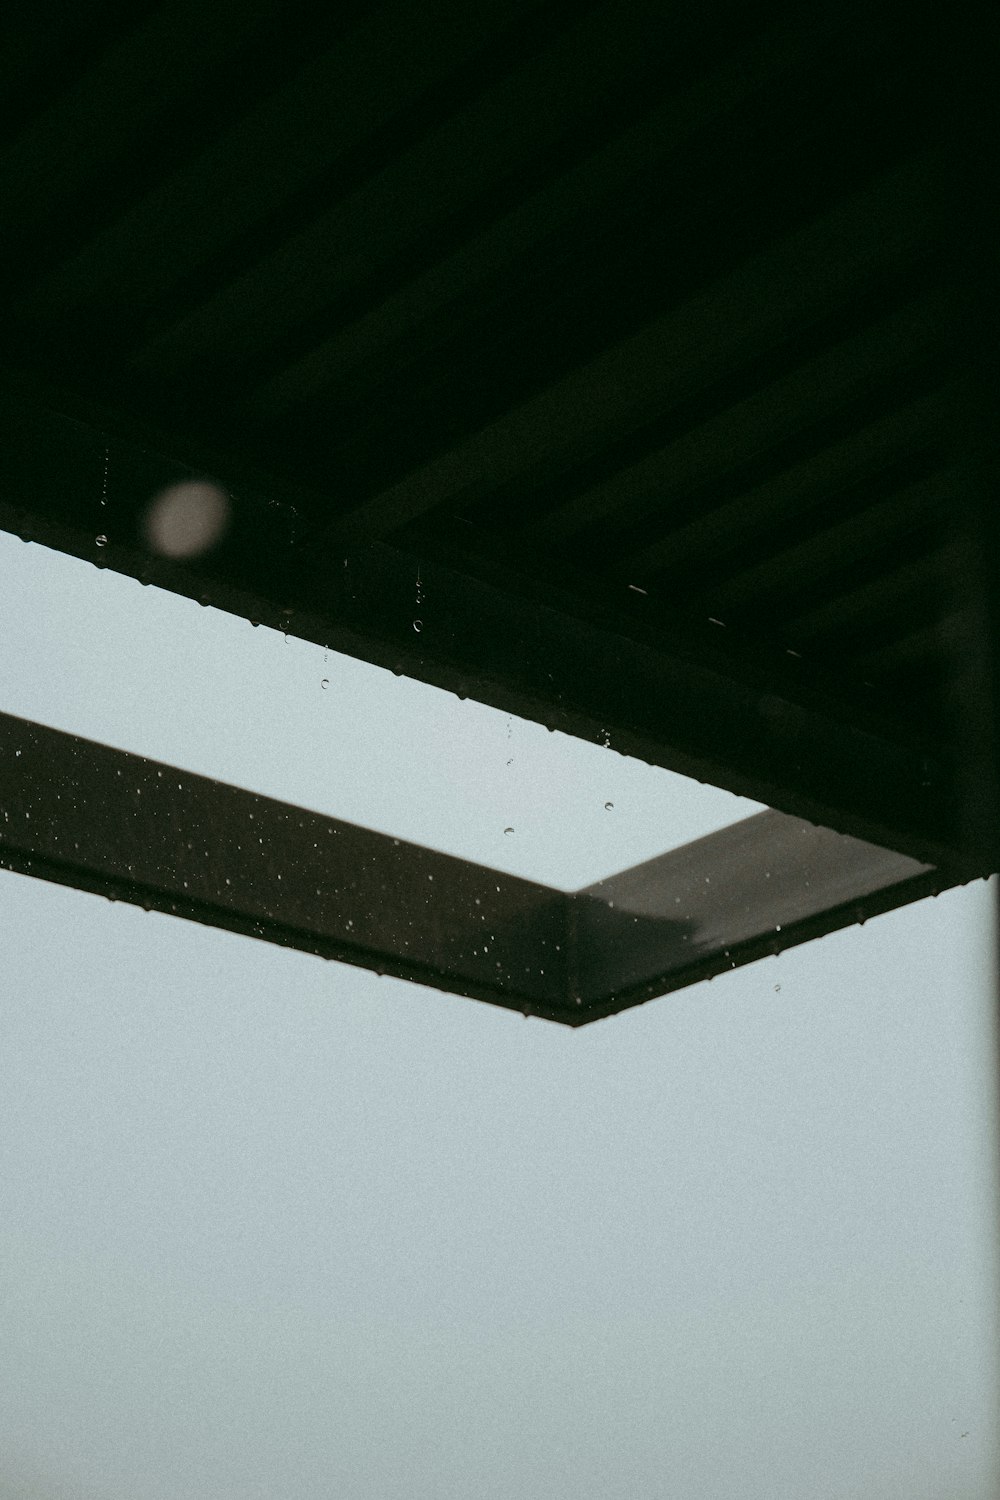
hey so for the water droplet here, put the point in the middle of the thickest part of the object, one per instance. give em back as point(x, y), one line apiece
point(777, 989)
point(508, 830)
point(101, 540)
point(325, 683)
point(609, 806)
point(187, 519)
point(418, 626)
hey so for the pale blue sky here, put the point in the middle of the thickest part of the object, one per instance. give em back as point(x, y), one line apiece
point(276, 1227)
point(95, 653)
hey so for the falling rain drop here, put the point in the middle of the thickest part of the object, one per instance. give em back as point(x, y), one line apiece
point(418, 625)
point(325, 683)
point(508, 830)
point(101, 540)
point(609, 806)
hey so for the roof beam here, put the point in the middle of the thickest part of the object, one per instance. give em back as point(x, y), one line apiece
point(695, 702)
point(763, 884)
point(122, 826)
point(129, 828)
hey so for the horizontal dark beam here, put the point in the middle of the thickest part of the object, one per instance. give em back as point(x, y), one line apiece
point(760, 886)
point(131, 829)
point(126, 827)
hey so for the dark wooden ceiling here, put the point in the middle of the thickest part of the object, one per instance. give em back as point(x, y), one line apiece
point(642, 315)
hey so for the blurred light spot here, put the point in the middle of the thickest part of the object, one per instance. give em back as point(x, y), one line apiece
point(187, 519)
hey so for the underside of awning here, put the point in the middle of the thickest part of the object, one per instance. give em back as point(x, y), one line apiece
point(624, 366)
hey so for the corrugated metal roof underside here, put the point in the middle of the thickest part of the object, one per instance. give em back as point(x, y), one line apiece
point(598, 297)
